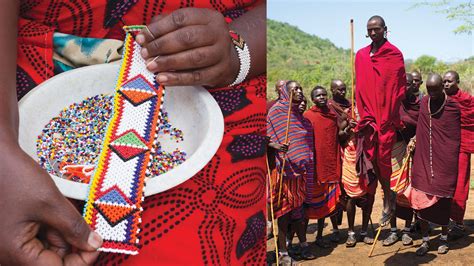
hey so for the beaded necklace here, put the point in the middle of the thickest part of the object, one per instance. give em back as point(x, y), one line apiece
point(431, 140)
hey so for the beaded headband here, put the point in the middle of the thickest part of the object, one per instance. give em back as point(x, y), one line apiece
point(113, 207)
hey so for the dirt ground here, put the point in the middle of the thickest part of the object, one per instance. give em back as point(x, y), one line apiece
point(461, 249)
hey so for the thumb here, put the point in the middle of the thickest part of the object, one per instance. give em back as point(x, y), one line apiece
point(63, 217)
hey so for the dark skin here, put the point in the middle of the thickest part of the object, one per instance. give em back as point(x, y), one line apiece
point(196, 59)
point(30, 202)
point(191, 46)
point(297, 91)
point(375, 30)
point(338, 89)
point(417, 81)
point(451, 82)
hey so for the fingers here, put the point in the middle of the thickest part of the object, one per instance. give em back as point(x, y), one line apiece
point(71, 225)
point(81, 258)
point(178, 19)
point(179, 40)
point(191, 59)
point(209, 76)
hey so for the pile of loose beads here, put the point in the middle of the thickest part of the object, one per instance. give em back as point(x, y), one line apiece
point(75, 136)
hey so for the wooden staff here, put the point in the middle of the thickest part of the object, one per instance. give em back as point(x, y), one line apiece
point(286, 142)
point(275, 234)
point(404, 166)
point(352, 68)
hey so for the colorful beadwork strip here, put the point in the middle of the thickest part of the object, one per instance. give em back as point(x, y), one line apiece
point(113, 207)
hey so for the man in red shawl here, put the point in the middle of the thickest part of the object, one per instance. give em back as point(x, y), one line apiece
point(381, 82)
point(323, 189)
point(466, 104)
point(435, 164)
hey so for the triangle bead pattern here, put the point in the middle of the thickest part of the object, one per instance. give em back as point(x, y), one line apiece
point(113, 208)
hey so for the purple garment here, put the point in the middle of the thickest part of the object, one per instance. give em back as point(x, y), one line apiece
point(446, 140)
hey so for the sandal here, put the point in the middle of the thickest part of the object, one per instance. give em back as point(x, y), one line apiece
point(406, 239)
point(351, 241)
point(443, 247)
point(423, 249)
point(391, 239)
point(320, 242)
point(286, 260)
point(367, 239)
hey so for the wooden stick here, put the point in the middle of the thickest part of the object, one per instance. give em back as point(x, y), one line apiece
point(286, 142)
point(275, 232)
point(352, 69)
point(375, 241)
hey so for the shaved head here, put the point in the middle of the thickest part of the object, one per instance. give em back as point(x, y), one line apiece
point(377, 18)
point(338, 89)
point(434, 85)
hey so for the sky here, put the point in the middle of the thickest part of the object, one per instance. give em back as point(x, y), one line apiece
point(415, 31)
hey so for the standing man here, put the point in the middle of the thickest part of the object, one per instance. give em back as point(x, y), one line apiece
point(381, 83)
point(295, 160)
point(409, 116)
point(435, 164)
point(323, 190)
point(466, 104)
point(417, 81)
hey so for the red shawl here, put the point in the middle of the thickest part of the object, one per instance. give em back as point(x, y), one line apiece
point(446, 138)
point(328, 157)
point(381, 84)
point(466, 104)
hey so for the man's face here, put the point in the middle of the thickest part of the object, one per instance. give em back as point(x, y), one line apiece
point(410, 83)
point(320, 97)
point(302, 106)
point(339, 91)
point(375, 30)
point(435, 91)
point(417, 81)
point(297, 92)
point(450, 84)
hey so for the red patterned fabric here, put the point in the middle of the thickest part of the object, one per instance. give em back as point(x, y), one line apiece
point(216, 217)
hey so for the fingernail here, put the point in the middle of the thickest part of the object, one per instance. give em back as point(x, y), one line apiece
point(94, 240)
point(144, 53)
point(162, 78)
point(151, 65)
point(140, 39)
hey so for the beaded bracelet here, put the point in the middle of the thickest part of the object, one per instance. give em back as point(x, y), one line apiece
point(113, 208)
point(244, 57)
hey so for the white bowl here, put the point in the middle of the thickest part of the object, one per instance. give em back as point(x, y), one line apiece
point(191, 109)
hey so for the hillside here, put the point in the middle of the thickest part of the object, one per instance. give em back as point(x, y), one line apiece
point(311, 60)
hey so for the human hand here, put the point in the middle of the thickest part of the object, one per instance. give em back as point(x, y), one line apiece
point(280, 147)
point(190, 46)
point(39, 226)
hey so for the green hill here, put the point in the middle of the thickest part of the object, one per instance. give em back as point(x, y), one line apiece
point(294, 54)
point(311, 60)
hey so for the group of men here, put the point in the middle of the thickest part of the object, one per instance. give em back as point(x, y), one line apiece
point(331, 157)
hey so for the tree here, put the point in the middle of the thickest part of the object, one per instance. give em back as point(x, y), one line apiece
point(424, 64)
point(454, 10)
